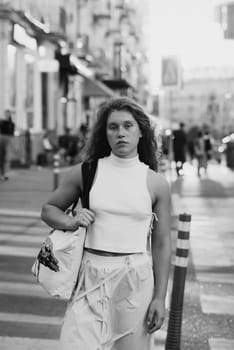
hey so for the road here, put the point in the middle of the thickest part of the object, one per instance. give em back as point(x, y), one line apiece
point(29, 319)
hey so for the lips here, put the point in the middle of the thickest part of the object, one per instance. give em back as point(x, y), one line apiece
point(122, 143)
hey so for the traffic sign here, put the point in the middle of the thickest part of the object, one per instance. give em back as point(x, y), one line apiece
point(171, 72)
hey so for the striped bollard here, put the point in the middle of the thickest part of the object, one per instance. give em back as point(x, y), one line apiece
point(56, 169)
point(181, 262)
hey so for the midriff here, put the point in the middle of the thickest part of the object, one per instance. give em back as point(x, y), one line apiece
point(105, 253)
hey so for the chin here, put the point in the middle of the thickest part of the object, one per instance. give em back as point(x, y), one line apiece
point(123, 153)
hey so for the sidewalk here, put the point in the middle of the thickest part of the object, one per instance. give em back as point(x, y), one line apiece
point(208, 317)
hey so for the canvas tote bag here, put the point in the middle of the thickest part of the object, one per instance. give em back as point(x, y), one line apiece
point(57, 271)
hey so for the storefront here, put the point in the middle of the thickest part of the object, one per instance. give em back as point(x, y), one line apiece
point(29, 76)
point(18, 94)
point(46, 87)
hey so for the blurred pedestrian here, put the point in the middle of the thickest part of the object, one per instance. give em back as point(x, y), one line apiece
point(208, 145)
point(82, 136)
point(48, 149)
point(7, 130)
point(65, 141)
point(200, 154)
point(191, 139)
point(72, 150)
point(120, 298)
point(28, 147)
point(179, 148)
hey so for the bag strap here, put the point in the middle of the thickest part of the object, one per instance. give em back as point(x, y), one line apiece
point(88, 172)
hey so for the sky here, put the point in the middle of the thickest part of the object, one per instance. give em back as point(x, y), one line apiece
point(185, 29)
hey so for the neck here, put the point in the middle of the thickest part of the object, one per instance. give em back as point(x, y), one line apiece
point(124, 162)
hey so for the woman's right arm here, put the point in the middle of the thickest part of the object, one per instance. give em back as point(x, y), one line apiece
point(53, 211)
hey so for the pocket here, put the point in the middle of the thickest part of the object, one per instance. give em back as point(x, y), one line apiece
point(122, 289)
point(144, 272)
point(128, 302)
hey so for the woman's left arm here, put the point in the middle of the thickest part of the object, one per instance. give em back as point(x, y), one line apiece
point(161, 251)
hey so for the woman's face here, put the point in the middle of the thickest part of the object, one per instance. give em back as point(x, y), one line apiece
point(123, 134)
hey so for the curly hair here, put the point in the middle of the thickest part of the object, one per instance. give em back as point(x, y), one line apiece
point(97, 145)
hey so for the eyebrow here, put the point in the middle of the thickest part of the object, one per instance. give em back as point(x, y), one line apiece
point(124, 121)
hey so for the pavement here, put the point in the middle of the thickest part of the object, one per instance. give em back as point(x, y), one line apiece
point(27, 189)
point(208, 310)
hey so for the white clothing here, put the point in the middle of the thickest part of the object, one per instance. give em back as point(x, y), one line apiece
point(108, 308)
point(122, 205)
point(109, 304)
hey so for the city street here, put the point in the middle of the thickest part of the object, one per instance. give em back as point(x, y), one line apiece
point(119, 75)
point(29, 319)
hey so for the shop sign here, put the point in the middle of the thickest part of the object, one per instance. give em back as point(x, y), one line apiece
point(21, 37)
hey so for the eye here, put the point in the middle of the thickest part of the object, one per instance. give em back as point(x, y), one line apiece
point(128, 125)
point(112, 126)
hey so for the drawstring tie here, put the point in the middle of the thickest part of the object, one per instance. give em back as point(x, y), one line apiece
point(151, 226)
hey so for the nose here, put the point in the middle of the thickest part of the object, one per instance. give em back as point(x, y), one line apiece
point(121, 132)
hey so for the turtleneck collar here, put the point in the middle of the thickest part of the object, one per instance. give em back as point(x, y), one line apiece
point(123, 162)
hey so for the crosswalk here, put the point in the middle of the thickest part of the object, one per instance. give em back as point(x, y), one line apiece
point(29, 318)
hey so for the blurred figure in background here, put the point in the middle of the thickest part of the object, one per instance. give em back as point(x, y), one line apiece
point(28, 148)
point(208, 145)
point(83, 134)
point(191, 139)
point(64, 143)
point(72, 150)
point(7, 130)
point(48, 149)
point(179, 148)
point(200, 154)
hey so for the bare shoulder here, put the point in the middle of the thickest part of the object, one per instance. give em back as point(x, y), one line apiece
point(74, 176)
point(158, 185)
point(69, 190)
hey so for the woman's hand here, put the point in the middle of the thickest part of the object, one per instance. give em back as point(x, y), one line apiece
point(155, 315)
point(83, 218)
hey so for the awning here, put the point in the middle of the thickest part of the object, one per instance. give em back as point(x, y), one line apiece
point(94, 88)
point(117, 84)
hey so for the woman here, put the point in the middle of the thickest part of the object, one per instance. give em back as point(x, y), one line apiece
point(120, 297)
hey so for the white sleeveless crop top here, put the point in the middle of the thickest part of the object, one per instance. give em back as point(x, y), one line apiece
point(122, 205)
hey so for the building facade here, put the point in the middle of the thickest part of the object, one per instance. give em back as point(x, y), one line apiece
point(205, 97)
point(60, 59)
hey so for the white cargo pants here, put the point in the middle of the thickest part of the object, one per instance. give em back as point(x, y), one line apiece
point(108, 308)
